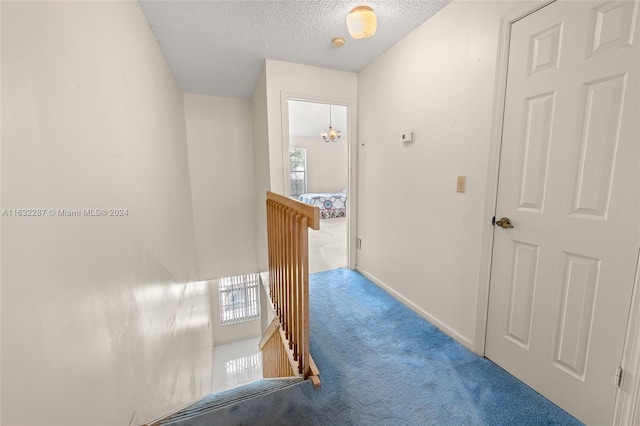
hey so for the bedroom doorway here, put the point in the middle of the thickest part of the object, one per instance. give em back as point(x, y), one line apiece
point(318, 174)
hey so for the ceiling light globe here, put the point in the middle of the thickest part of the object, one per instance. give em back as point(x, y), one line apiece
point(362, 22)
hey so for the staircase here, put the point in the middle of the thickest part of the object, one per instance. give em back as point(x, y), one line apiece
point(265, 402)
point(284, 396)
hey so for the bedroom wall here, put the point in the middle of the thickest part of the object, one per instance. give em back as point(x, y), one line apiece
point(420, 238)
point(221, 167)
point(102, 322)
point(327, 163)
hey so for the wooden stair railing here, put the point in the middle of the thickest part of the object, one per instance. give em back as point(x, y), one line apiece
point(285, 343)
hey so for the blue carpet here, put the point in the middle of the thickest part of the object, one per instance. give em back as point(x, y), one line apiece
point(382, 364)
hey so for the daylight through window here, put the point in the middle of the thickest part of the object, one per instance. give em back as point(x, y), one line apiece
point(298, 171)
point(238, 299)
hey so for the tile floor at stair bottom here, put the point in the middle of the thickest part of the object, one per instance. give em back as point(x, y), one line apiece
point(236, 364)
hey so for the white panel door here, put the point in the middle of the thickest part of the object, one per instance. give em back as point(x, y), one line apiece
point(569, 181)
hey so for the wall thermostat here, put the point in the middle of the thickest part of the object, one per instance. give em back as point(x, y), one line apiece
point(407, 137)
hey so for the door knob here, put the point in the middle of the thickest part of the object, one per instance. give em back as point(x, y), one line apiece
point(504, 222)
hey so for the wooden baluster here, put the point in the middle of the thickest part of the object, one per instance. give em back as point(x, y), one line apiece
point(292, 279)
point(296, 289)
point(274, 256)
point(304, 249)
point(270, 246)
point(280, 249)
point(283, 262)
point(287, 280)
point(276, 260)
point(302, 232)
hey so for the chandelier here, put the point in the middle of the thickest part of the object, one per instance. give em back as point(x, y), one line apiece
point(331, 135)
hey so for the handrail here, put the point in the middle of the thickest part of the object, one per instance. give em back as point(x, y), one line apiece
point(287, 234)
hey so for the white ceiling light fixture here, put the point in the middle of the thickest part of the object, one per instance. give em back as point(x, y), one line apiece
point(362, 22)
point(331, 135)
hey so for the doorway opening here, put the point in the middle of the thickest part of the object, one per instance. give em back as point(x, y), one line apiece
point(318, 174)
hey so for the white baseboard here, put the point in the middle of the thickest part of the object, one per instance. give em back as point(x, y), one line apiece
point(238, 338)
point(424, 314)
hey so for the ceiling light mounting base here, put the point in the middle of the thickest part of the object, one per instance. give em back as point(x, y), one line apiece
point(338, 42)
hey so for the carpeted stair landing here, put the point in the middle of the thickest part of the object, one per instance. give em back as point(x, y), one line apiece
point(251, 404)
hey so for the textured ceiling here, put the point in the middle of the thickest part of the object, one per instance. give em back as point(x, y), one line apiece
point(218, 47)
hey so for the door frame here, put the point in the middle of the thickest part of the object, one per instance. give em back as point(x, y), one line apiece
point(627, 403)
point(352, 150)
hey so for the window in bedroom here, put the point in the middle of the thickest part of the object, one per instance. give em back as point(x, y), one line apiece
point(298, 171)
point(238, 299)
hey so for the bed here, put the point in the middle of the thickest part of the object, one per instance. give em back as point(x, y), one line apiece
point(331, 205)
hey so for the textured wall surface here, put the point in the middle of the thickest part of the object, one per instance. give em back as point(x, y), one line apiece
point(102, 323)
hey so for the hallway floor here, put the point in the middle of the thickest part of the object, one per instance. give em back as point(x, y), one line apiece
point(328, 246)
point(392, 368)
point(236, 364)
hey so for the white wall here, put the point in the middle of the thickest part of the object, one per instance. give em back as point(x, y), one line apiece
point(283, 79)
point(221, 166)
point(101, 320)
point(425, 244)
point(277, 81)
point(312, 83)
point(327, 163)
point(259, 114)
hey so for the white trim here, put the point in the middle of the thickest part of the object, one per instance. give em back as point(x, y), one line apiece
point(625, 411)
point(284, 107)
point(352, 204)
point(424, 314)
point(493, 164)
point(239, 339)
point(352, 160)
